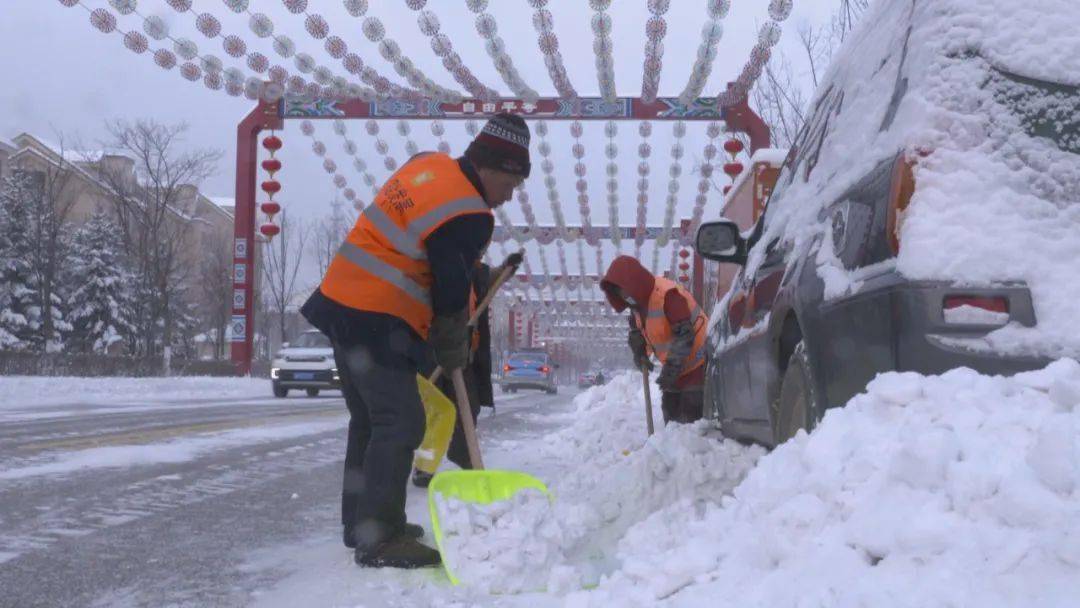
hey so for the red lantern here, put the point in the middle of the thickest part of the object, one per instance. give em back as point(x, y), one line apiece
point(272, 143)
point(733, 169)
point(683, 278)
point(270, 208)
point(684, 266)
point(271, 166)
point(269, 230)
point(733, 146)
point(271, 187)
point(684, 253)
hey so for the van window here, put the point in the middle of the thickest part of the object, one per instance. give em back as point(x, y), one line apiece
point(1046, 109)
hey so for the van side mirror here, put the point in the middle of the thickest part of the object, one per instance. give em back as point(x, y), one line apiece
point(721, 241)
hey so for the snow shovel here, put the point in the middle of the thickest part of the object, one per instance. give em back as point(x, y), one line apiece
point(438, 409)
point(481, 307)
point(477, 487)
point(439, 412)
point(648, 399)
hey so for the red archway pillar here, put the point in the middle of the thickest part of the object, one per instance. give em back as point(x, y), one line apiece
point(264, 116)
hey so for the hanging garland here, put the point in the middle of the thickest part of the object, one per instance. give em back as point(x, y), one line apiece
point(714, 130)
point(582, 184)
point(429, 25)
point(706, 53)
point(496, 50)
point(655, 31)
point(644, 151)
point(611, 129)
point(768, 37)
point(603, 49)
point(319, 149)
point(548, 42)
point(674, 172)
point(359, 164)
point(548, 167)
point(235, 46)
point(319, 29)
point(208, 69)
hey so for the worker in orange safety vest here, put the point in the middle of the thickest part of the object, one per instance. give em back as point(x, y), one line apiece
point(665, 321)
point(400, 281)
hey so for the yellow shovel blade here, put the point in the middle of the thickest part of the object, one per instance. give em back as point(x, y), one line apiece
point(440, 415)
point(478, 487)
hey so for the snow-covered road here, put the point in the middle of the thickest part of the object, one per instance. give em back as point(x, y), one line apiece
point(953, 490)
point(131, 500)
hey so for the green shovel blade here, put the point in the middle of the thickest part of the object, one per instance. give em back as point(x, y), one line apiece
point(477, 487)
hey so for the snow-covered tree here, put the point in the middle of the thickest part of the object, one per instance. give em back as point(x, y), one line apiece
point(102, 306)
point(20, 314)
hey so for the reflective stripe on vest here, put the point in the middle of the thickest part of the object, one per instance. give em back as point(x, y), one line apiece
point(385, 272)
point(383, 266)
point(658, 331)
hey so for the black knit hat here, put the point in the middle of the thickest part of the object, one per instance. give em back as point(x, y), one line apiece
point(502, 145)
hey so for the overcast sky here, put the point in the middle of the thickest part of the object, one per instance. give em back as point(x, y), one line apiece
point(63, 76)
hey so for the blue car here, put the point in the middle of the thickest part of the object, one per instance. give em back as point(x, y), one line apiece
point(529, 369)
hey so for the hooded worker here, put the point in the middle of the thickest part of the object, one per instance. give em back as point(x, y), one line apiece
point(664, 321)
point(401, 281)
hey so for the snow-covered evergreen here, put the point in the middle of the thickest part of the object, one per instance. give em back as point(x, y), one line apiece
point(102, 293)
point(20, 315)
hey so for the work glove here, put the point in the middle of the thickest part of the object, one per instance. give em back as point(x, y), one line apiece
point(512, 261)
point(449, 338)
point(682, 344)
point(637, 347)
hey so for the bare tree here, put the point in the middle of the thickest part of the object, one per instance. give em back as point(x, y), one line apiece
point(148, 186)
point(846, 17)
point(216, 288)
point(328, 233)
point(282, 259)
point(783, 93)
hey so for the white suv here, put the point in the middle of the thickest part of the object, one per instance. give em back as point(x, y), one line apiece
point(307, 363)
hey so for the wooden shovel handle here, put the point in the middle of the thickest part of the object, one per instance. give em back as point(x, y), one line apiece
point(465, 412)
point(480, 308)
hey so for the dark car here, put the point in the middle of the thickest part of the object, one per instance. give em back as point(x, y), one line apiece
point(821, 304)
point(529, 369)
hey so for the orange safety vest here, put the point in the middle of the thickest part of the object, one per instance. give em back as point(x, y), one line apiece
point(658, 334)
point(382, 266)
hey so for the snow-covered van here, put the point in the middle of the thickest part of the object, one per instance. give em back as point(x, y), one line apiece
point(927, 217)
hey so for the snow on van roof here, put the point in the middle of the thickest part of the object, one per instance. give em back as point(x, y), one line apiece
point(993, 202)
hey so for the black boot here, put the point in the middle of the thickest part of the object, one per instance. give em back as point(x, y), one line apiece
point(399, 552)
point(421, 479)
point(413, 531)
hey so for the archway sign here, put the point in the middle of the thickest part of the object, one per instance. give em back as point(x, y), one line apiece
point(269, 115)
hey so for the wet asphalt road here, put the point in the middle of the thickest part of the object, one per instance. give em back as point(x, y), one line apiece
point(175, 534)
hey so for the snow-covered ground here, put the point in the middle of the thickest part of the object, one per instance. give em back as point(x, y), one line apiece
point(31, 392)
point(956, 490)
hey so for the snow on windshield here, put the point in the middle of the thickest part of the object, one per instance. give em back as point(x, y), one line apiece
point(994, 201)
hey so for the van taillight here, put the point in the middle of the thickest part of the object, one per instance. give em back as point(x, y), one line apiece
point(989, 303)
point(903, 186)
point(544, 369)
point(507, 368)
point(991, 311)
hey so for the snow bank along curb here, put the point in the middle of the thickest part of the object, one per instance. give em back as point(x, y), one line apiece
point(958, 489)
point(28, 392)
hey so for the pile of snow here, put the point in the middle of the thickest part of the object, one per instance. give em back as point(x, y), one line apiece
point(31, 391)
point(992, 204)
point(958, 489)
point(611, 476)
point(507, 546)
